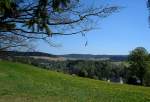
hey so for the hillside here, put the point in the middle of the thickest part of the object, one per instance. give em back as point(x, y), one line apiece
point(25, 83)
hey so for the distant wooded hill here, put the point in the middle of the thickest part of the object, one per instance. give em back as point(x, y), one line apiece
point(96, 57)
point(67, 56)
point(15, 53)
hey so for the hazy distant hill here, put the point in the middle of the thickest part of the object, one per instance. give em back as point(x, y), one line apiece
point(65, 57)
point(96, 57)
point(15, 53)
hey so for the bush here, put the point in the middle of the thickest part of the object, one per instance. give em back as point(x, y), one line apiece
point(147, 78)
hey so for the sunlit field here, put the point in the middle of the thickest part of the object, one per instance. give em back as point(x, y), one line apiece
point(25, 83)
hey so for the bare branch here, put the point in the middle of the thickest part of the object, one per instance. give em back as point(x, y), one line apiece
point(41, 20)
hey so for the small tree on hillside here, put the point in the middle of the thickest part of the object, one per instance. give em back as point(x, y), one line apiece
point(138, 63)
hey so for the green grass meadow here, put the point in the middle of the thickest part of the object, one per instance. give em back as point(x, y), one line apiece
point(25, 83)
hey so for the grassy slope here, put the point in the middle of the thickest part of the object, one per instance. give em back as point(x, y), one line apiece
point(24, 83)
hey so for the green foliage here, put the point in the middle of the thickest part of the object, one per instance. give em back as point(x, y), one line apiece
point(147, 76)
point(24, 83)
point(8, 8)
point(11, 9)
point(57, 3)
point(40, 15)
point(101, 70)
point(138, 63)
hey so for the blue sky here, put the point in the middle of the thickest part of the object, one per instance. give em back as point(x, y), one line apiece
point(117, 34)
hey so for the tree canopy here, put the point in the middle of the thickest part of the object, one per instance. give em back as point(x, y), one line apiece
point(138, 63)
point(42, 19)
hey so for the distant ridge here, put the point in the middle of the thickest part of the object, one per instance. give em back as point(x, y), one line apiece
point(96, 57)
point(16, 53)
point(67, 56)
